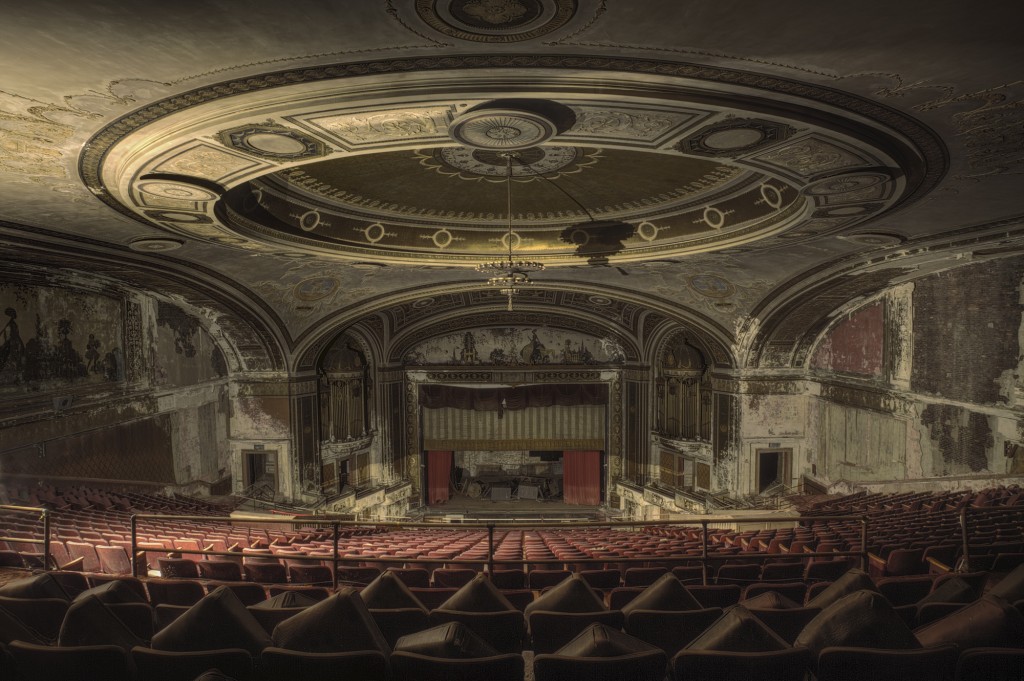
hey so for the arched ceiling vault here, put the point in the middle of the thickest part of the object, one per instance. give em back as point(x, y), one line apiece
point(791, 319)
point(248, 328)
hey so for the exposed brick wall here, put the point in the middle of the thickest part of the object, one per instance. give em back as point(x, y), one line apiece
point(855, 344)
point(962, 440)
point(966, 325)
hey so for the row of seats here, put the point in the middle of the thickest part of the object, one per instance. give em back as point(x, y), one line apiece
point(908, 536)
point(662, 628)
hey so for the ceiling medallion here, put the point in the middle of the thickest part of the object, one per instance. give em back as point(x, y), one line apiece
point(533, 162)
point(734, 136)
point(273, 142)
point(496, 21)
point(502, 129)
point(154, 245)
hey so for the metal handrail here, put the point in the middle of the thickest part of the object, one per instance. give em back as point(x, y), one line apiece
point(965, 558)
point(703, 521)
point(45, 541)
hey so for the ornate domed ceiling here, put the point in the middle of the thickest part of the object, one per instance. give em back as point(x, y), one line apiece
point(290, 169)
point(668, 168)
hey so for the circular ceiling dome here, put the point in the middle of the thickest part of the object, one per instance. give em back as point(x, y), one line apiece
point(405, 161)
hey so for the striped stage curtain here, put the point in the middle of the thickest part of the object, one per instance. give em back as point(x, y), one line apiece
point(554, 427)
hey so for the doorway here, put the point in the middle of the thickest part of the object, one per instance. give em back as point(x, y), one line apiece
point(773, 468)
point(260, 469)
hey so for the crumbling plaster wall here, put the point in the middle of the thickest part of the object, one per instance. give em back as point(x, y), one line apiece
point(946, 409)
point(104, 384)
point(261, 421)
point(772, 420)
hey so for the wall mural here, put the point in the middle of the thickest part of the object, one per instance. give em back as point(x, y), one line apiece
point(52, 339)
point(515, 347)
point(182, 352)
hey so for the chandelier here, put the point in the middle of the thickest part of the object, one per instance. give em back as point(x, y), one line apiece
point(509, 275)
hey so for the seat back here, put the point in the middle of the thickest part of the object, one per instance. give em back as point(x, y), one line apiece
point(452, 577)
point(642, 576)
point(78, 663)
point(742, 574)
point(787, 624)
point(278, 663)
point(504, 631)
point(114, 560)
point(856, 664)
point(541, 579)
point(42, 615)
point(716, 595)
point(166, 665)
point(310, 574)
point(394, 623)
point(178, 568)
point(670, 630)
point(266, 573)
point(795, 591)
point(990, 664)
point(413, 577)
point(507, 667)
point(602, 579)
point(645, 666)
point(715, 665)
point(549, 631)
point(508, 579)
point(174, 592)
point(85, 551)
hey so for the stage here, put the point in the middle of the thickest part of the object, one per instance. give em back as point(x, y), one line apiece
point(471, 510)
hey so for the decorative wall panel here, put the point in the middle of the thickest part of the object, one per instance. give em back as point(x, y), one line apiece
point(53, 339)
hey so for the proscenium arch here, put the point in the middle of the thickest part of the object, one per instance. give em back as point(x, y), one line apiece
point(372, 312)
point(456, 323)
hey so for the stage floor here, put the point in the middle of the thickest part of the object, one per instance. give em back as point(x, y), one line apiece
point(479, 510)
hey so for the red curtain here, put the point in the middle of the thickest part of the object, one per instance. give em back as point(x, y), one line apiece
point(581, 478)
point(439, 472)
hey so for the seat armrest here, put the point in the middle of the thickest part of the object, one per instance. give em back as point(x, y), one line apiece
point(876, 565)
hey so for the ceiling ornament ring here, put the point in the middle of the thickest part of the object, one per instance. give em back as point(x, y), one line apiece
point(769, 168)
point(502, 129)
point(495, 21)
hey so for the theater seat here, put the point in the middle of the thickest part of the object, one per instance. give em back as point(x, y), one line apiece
point(717, 665)
point(860, 664)
point(276, 664)
point(671, 631)
point(602, 654)
point(990, 664)
point(506, 667)
point(168, 665)
point(78, 663)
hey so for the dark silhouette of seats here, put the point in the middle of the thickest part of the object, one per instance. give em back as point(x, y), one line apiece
point(718, 665)
point(167, 665)
point(990, 664)
point(278, 663)
point(174, 591)
point(669, 630)
point(78, 663)
point(856, 664)
point(220, 570)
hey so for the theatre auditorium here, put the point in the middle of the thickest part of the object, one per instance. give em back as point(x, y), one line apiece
point(518, 340)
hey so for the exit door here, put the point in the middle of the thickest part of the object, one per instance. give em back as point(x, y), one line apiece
point(261, 469)
point(773, 468)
